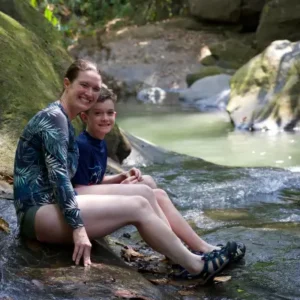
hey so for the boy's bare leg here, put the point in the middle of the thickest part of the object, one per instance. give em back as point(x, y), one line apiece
point(148, 180)
point(179, 225)
point(124, 190)
point(103, 215)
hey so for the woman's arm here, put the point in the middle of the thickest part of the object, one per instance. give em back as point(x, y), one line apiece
point(55, 140)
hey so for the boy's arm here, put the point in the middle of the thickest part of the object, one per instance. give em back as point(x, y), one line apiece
point(114, 179)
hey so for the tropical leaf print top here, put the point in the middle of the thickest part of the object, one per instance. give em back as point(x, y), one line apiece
point(46, 159)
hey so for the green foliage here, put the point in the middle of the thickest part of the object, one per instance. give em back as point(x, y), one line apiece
point(77, 17)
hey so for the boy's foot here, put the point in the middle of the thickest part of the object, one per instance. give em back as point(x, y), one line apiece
point(214, 263)
point(238, 255)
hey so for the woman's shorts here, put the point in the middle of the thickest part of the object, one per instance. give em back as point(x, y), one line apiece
point(27, 226)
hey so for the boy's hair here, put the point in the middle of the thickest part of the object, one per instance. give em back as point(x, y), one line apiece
point(106, 94)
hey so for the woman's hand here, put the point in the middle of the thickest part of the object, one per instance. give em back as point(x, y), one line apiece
point(82, 247)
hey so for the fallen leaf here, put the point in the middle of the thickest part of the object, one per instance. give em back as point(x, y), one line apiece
point(130, 254)
point(130, 295)
point(186, 293)
point(222, 278)
point(4, 226)
point(161, 281)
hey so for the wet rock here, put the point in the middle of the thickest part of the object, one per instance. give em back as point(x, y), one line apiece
point(156, 95)
point(278, 21)
point(206, 72)
point(47, 272)
point(208, 93)
point(265, 92)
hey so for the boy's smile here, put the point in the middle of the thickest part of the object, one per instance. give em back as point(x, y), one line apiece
point(100, 119)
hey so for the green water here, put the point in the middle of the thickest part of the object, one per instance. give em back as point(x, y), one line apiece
point(210, 136)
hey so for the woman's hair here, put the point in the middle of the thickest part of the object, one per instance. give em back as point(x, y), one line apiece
point(80, 65)
point(106, 94)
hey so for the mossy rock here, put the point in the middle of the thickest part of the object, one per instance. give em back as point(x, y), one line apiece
point(205, 72)
point(232, 53)
point(28, 79)
point(280, 19)
point(265, 92)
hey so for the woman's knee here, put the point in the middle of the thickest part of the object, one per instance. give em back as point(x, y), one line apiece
point(141, 206)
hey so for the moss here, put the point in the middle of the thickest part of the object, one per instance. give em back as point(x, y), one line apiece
point(232, 53)
point(32, 60)
point(205, 72)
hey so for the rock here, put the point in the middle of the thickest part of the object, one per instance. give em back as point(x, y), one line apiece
point(250, 14)
point(206, 72)
point(279, 20)
point(232, 53)
point(118, 146)
point(145, 153)
point(209, 92)
point(156, 95)
point(47, 270)
point(265, 92)
point(33, 63)
point(216, 10)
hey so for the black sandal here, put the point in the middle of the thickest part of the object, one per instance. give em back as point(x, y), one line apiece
point(214, 263)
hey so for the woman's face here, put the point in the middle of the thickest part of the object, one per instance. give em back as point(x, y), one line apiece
point(83, 92)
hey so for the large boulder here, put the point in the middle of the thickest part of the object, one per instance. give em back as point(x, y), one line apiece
point(280, 19)
point(32, 61)
point(208, 93)
point(216, 10)
point(250, 14)
point(265, 92)
point(232, 53)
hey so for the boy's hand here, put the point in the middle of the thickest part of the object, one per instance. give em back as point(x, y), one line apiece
point(129, 180)
point(135, 172)
point(82, 247)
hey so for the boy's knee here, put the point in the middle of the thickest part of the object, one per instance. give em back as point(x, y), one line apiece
point(161, 195)
point(149, 181)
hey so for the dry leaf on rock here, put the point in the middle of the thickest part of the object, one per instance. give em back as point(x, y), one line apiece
point(4, 226)
point(130, 254)
point(222, 278)
point(130, 295)
point(186, 293)
point(161, 281)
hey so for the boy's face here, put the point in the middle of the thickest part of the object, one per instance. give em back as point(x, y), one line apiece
point(100, 119)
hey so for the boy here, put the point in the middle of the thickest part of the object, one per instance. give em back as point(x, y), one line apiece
point(92, 164)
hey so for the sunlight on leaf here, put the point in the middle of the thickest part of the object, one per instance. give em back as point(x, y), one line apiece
point(222, 278)
point(4, 226)
point(130, 254)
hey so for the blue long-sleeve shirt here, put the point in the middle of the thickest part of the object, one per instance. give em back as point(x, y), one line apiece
point(46, 159)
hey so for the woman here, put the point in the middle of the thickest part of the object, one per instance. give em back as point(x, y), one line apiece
point(45, 201)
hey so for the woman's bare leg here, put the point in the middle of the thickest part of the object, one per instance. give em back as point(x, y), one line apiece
point(161, 204)
point(124, 190)
point(103, 215)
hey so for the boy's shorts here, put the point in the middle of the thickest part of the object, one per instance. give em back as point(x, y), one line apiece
point(27, 226)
